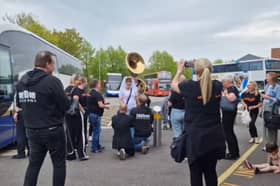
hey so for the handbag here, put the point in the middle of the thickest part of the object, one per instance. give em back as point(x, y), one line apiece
point(245, 117)
point(275, 115)
point(178, 148)
point(226, 105)
point(74, 109)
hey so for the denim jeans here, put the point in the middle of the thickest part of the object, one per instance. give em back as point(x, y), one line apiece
point(177, 120)
point(139, 142)
point(41, 141)
point(95, 122)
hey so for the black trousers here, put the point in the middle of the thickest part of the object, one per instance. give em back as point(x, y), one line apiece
point(22, 143)
point(252, 125)
point(41, 141)
point(204, 166)
point(228, 126)
point(75, 127)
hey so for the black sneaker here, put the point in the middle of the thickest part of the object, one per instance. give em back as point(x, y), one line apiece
point(71, 157)
point(231, 157)
point(122, 154)
point(257, 171)
point(19, 156)
point(84, 158)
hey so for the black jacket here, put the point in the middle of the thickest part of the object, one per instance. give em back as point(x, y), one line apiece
point(42, 99)
point(143, 120)
point(205, 135)
point(122, 138)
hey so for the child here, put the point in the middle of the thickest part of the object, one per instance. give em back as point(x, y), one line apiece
point(143, 119)
point(122, 139)
point(273, 161)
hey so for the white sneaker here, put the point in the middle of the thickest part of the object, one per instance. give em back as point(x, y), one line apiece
point(122, 154)
point(252, 140)
point(257, 141)
point(90, 138)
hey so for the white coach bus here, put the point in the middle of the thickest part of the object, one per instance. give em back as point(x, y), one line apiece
point(246, 71)
point(18, 48)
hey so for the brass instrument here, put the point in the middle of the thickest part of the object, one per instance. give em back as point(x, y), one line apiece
point(136, 65)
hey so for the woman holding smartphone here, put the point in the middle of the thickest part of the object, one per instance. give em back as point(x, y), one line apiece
point(205, 138)
point(252, 101)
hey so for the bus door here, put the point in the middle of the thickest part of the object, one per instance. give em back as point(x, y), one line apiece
point(7, 126)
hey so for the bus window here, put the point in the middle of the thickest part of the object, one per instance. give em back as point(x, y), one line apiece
point(6, 89)
point(272, 64)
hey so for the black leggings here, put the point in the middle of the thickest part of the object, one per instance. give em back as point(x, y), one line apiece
point(252, 125)
point(76, 132)
point(206, 166)
point(228, 125)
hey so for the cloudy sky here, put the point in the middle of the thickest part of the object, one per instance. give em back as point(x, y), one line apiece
point(226, 29)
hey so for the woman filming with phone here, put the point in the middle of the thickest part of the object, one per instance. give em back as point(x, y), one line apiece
point(205, 139)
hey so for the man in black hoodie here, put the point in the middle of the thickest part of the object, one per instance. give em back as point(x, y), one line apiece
point(143, 120)
point(44, 103)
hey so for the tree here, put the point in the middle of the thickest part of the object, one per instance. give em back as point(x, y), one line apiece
point(163, 61)
point(218, 61)
point(68, 40)
point(110, 60)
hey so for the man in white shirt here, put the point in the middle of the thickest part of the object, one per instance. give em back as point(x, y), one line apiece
point(128, 92)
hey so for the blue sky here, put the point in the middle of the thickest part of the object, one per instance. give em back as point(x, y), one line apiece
point(226, 29)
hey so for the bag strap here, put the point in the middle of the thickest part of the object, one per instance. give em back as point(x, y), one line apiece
point(129, 96)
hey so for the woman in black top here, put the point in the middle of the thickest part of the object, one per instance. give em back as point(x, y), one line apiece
point(205, 139)
point(252, 100)
point(75, 123)
point(177, 115)
point(231, 95)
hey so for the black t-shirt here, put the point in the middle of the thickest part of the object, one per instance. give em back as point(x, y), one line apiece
point(92, 102)
point(203, 122)
point(251, 99)
point(195, 110)
point(81, 93)
point(177, 100)
point(234, 90)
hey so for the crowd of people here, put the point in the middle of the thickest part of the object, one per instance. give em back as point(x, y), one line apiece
point(52, 119)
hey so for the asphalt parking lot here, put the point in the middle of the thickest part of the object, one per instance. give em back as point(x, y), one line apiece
point(154, 169)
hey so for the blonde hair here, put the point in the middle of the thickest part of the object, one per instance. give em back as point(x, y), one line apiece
point(255, 87)
point(203, 69)
point(123, 108)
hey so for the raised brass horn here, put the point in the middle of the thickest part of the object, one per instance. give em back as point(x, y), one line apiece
point(135, 63)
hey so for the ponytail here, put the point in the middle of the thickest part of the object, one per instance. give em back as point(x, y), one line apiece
point(206, 85)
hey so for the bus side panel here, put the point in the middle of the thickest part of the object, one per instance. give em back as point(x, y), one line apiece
point(7, 131)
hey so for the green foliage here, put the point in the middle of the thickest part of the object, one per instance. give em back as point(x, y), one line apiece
point(110, 60)
point(68, 40)
point(218, 61)
point(163, 61)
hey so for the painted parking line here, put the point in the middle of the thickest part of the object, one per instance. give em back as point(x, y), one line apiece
point(229, 184)
point(244, 172)
point(222, 178)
